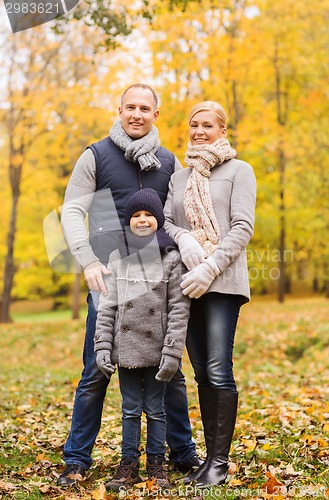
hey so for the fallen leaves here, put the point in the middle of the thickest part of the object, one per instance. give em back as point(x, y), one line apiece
point(280, 447)
point(7, 487)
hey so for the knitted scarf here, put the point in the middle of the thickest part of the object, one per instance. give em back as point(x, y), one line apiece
point(197, 200)
point(137, 150)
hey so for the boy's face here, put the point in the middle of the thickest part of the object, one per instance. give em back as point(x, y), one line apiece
point(143, 223)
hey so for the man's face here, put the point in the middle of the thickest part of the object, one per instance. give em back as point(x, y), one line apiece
point(138, 112)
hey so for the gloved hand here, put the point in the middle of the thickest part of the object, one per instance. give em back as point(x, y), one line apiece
point(103, 361)
point(168, 367)
point(191, 251)
point(197, 281)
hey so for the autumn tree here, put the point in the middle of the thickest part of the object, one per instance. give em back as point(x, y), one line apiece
point(26, 70)
point(260, 61)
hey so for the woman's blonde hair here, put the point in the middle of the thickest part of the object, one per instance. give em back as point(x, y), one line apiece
point(213, 106)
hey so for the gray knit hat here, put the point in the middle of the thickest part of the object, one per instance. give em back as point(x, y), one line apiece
point(145, 199)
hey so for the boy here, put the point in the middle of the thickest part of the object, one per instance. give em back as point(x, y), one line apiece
point(141, 326)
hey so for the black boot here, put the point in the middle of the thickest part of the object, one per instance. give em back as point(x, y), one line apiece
point(226, 403)
point(207, 410)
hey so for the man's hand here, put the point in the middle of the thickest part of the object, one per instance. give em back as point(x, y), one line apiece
point(94, 277)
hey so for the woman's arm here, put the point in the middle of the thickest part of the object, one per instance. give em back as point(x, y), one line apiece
point(243, 201)
point(191, 251)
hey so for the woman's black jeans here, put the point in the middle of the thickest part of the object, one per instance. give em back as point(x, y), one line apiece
point(210, 338)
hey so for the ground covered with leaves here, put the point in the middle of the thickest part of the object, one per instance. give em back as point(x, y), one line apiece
point(281, 442)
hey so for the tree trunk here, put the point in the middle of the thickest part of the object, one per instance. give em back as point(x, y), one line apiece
point(15, 173)
point(282, 235)
point(282, 110)
point(9, 270)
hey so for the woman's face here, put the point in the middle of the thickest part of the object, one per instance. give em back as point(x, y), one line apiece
point(205, 129)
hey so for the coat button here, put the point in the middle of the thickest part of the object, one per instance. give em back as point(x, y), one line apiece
point(129, 305)
point(124, 329)
point(152, 310)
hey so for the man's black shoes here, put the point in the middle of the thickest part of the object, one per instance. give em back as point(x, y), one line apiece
point(186, 466)
point(72, 474)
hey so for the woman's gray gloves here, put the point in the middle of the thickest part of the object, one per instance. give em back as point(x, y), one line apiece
point(168, 367)
point(197, 281)
point(103, 361)
point(191, 251)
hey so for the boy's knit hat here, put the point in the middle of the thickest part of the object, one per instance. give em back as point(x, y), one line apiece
point(145, 199)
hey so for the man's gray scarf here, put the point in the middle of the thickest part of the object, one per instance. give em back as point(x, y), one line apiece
point(138, 150)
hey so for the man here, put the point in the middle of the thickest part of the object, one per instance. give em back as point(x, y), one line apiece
point(104, 178)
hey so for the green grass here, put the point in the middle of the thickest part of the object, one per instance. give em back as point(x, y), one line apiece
point(281, 439)
point(45, 316)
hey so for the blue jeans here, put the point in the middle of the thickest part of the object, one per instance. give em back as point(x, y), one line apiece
point(88, 406)
point(142, 393)
point(210, 339)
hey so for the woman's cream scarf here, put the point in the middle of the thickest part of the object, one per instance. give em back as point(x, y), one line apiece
point(197, 200)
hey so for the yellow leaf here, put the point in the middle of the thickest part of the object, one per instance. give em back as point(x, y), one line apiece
point(250, 444)
point(194, 414)
point(310, 410)
point(308, 438)
point(236, 482)
point(322, 443)
point(100, 493)
point(326, 428)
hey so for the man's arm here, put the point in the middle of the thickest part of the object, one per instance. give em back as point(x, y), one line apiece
point(78, 197)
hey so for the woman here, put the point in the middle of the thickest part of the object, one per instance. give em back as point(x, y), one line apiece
point(210, 214)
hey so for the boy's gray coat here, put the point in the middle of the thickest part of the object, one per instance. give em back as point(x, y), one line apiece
point(145, 313)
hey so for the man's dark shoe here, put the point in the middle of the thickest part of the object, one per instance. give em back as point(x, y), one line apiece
point(72, 474)
point(125, 476)
point(156, 469)
point(186, 466)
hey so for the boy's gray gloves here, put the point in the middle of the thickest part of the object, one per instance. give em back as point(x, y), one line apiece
point(103, 361)
point(168, 367)
point(197, 281)
point(191, 251)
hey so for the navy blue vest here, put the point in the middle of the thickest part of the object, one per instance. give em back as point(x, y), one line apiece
point(116, 180)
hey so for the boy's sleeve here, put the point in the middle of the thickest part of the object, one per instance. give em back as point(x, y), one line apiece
point(178, 312)
point(105, 323)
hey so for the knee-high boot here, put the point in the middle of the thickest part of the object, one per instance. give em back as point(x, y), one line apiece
point(226, 403)
point(207, 410)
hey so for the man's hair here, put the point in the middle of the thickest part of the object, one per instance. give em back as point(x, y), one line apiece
point(142, 86)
